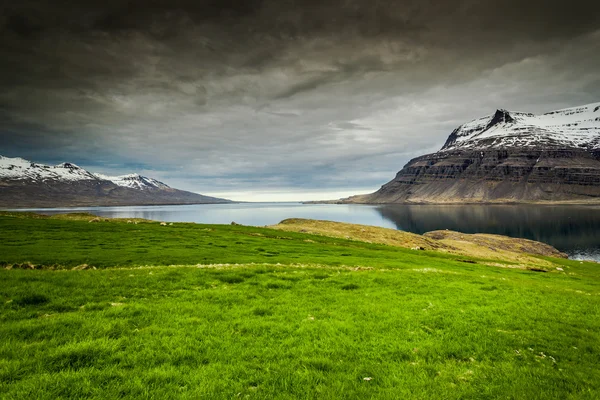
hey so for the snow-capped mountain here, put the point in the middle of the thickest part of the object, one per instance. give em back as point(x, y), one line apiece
point(28, 184)
point(577, 127)
point(506, 157)
point(20, 169)
point(134, 181)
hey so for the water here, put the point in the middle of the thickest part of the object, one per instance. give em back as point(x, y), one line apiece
point(572, 229)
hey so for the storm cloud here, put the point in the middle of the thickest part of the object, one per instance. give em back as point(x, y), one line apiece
point(239, 98)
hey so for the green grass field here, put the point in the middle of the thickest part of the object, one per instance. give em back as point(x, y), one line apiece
point(293, 316)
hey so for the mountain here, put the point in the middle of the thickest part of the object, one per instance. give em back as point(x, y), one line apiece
point(506, 157)
point(134, 181)
point(27, 184)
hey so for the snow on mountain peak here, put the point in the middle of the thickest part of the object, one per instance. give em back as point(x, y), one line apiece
point(68, 166)
point(135, 181)
point(21, 169)
point(5, 161)
point(577, 127)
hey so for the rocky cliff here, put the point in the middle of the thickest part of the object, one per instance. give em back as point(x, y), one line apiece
point(506, 157)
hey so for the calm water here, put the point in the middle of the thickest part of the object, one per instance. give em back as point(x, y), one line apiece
point(572, 229)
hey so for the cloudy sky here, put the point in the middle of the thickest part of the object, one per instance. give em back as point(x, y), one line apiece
point(278, 99)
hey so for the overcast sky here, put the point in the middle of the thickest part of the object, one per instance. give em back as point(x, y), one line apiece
point(278, 99)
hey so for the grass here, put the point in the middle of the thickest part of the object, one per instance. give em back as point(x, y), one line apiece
point(335, 319)
point(60, 242)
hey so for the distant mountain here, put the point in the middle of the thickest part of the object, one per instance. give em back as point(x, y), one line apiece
point(506, 157)
point(27, 184)
point(134, 181)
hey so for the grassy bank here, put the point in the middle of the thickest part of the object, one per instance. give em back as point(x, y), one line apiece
point(336, 318)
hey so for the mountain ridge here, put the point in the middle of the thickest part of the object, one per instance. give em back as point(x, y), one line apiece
point(26, 184)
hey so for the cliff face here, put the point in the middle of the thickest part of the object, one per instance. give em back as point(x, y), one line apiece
point(506, 158)
point(508, 175)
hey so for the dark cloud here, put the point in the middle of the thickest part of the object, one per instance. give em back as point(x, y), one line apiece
point(279, 93)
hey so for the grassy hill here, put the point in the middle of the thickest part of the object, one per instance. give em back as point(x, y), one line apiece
point(140, 310)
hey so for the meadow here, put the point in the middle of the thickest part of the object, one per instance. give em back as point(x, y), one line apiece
point(185, 311)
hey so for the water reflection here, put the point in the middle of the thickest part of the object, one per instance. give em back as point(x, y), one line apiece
point(572, 229)
point(256, 214)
